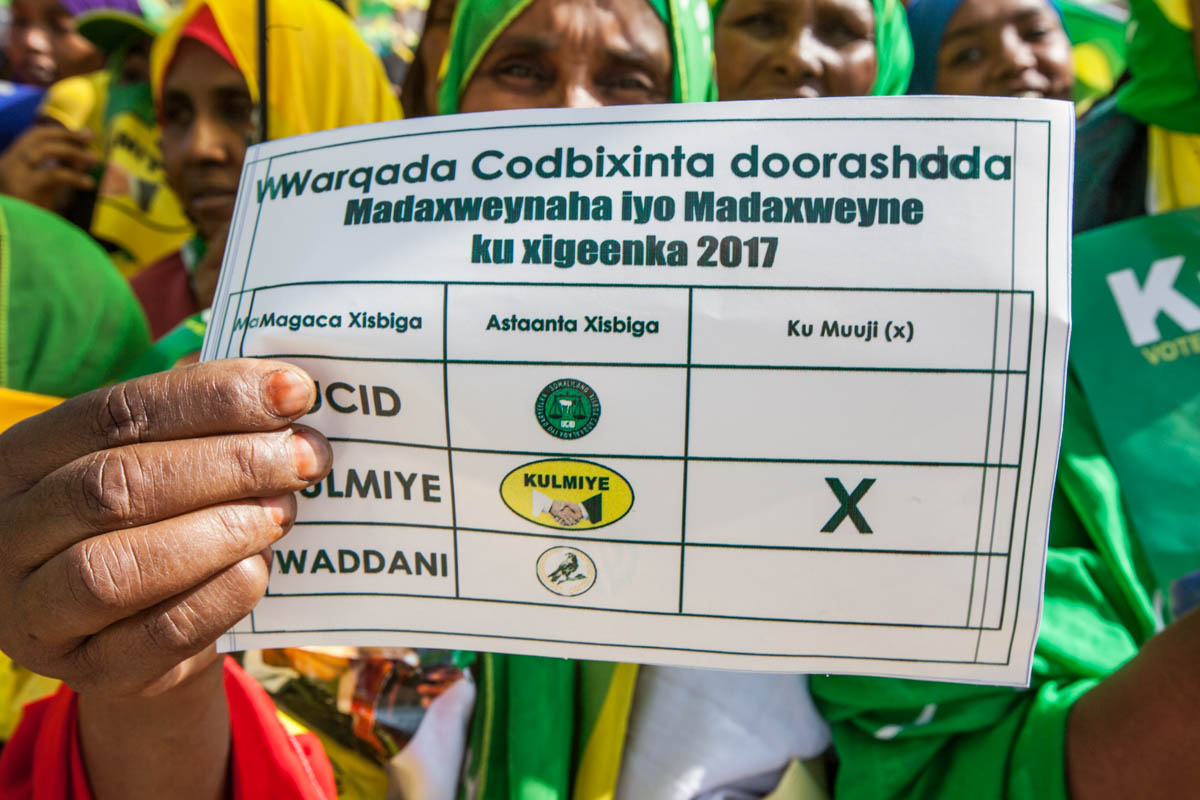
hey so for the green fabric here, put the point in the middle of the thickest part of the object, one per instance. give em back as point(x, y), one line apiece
point(522, 731)
point(1141, 376)
point(132, 98)
point(1164, 88)
point(595, 678)
point(184, 339)
point(532, 720)
point(477, 23)
point(915, 739)
point(68, 321)
point(893, 46)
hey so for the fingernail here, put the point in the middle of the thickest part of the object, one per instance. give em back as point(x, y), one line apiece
point(287, 393)
point(309, 454)
point(280, 508)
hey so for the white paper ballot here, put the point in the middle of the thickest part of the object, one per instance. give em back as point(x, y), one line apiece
point(771, 386)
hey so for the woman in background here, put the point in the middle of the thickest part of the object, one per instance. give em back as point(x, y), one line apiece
point(205, 85)
point(996, 48)
point(811, 48)
point(577, 54)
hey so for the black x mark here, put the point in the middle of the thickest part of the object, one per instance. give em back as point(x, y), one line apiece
point(849, 507)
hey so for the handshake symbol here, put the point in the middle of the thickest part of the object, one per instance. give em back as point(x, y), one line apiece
point(566, 514)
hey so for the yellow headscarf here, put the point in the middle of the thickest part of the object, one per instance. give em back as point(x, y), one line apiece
point(321, 74)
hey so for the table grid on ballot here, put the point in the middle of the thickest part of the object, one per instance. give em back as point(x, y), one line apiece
point(787, 435)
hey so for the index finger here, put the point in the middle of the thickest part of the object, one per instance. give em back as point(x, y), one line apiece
point(232, 396)
point(55, 130)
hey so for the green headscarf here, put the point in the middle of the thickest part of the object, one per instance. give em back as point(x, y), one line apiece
point(68, 321)
point(893, 46)
point(477, 23)
point(1164, 88)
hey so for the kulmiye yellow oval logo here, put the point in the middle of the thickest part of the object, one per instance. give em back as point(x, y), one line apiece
point(567, 494)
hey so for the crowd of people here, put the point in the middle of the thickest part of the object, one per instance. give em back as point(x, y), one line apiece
point(140, 492)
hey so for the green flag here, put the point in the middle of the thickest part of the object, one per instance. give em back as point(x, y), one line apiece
point(1135, 350)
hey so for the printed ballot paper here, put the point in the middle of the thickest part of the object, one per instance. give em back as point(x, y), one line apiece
point(764, 386)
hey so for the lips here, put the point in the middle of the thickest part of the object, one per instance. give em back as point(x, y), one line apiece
point(787, 91)
point(211, 198)
point(1028, 88)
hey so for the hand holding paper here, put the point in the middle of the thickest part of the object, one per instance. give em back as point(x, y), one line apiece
point(166, 493)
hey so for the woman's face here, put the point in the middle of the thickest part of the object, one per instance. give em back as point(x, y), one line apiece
point(1005, 48)
point(795, 48)
point(44, 46)
point(575, 54)
point(207, 119)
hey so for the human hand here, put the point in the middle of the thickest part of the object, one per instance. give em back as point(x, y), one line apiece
point(136, 520)
point(45, 161)
point(566, 513)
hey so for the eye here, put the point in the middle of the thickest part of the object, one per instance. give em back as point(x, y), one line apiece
point(632, 82)
point(62, 24)
point(176, 112)
point(521, 72)
point(762, 25)
point(235, 108)
point(967, 56)
point(840, 27)
point(517, 70)
point(1037, 33)
point(837, 34)
point(627, 84)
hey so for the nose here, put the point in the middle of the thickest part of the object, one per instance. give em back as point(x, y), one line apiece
point(37, 39)
point(206, 141)
point(578, 93)
point(1016, 54)
point(800, 55)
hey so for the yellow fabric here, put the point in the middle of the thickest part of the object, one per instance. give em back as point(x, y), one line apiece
point(135, 209)
point(1174, 170)
point(78, 103)
point(358, 778)
point(18, 688)
point(1094, 68)
point(320, 73)
point(600, 766)
point(16, 406)
point(1177, 12)
point(802, 780)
